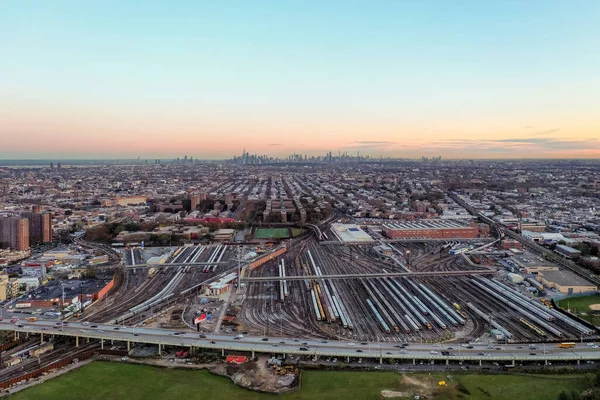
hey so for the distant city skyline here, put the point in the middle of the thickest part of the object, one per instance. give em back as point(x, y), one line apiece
point(468, 79)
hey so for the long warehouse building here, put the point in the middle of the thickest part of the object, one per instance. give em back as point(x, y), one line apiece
point(430, 229)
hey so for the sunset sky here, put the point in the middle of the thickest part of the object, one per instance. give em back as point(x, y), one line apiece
point(405, 78)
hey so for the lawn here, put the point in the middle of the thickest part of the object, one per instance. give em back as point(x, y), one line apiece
point(271, 233)
point(106, 381)
point(297, 231)
point(579, 305)
point(512, 387)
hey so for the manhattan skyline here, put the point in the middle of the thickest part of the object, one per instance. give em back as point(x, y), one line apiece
point(392, 79)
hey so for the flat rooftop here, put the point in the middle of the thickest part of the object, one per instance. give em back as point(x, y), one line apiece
point(425, 224)
point(527, 259)
point(565, 278)
point(350, 233)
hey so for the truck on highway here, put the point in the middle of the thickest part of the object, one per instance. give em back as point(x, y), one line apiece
point(31, 319)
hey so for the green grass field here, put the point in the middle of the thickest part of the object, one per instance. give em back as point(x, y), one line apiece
point(271, 233)
point(297, 231)
point(579, 305)
point(107, 381)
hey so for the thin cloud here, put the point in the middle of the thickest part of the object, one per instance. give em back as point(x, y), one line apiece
point(546, 132)
point(274, 144)
point(374, 142)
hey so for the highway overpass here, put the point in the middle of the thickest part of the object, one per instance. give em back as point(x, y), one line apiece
point(297, 346)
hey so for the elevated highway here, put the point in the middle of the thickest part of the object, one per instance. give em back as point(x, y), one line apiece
point(285, 345)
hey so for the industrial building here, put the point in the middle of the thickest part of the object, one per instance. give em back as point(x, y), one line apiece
point(221, 286)
point(131, 200)
point(565, 281)
point(568, 251)
point(350, 233)
point(430, 229)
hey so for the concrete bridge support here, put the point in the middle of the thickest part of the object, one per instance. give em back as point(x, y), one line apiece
point(76, 341)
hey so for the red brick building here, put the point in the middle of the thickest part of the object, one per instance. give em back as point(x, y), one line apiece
point(430, 229)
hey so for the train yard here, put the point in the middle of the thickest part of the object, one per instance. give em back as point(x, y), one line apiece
point(143, 291)
point(402, 309)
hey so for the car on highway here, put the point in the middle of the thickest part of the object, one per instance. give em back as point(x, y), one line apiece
point(389, 353)
point(116, 328)
point(364, 343)
point(303, 349)
point(202, 336)
point(94, 326)
point(238, 337)
point(433, 352)
point(265, 339)
point(275, 345)
point(136, 334)
point(212, 342)
point(532, 354)
point(481, 354)
point(403, 352)
point(359, 351)
point(86, 323)
point(323, 341)
point(282, 342)
point(351, 344)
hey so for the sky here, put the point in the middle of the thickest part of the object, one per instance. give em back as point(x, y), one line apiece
point(207, 79)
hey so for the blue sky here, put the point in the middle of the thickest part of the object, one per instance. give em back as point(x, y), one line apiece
point(457, 78)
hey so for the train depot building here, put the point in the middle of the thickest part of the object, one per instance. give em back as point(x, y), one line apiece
point(430, 229)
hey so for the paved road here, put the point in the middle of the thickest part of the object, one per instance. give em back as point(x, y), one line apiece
point(336, 348)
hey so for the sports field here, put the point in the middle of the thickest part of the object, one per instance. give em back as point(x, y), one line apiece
point(582, 303)
point(582, 306)
point(108, 381)
point(271, 233)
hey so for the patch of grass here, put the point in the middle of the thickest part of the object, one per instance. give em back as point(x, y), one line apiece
point(522, 387)
point(297, 231)
point(107, 381)
point(271, 233)
point(579, 305)
point(582, 303)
